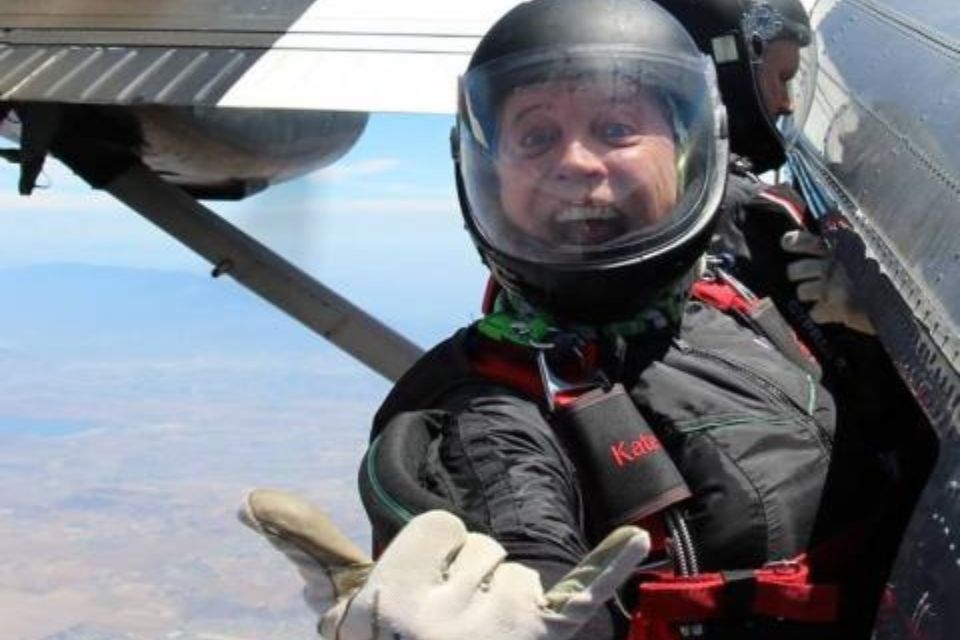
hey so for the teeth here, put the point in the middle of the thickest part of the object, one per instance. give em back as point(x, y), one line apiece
point(581, 214)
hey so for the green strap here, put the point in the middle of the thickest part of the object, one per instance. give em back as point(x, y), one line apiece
point(516, 323)
point(506, 326)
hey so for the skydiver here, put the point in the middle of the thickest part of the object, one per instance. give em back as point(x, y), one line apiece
point(766, 60)
point(605, 388)
point(766, 240)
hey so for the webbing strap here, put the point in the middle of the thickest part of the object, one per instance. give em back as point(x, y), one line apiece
point(780, 590)
point(721, 296)
point(762, 315)
point(506, 365)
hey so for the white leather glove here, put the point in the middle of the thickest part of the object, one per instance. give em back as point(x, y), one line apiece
point(821, 279)
point(436, 581)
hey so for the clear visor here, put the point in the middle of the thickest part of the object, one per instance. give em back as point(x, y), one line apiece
point(783, 57)
point(590, 154)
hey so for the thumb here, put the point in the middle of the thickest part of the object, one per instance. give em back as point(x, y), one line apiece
point(804, 243)
point(329, 562)
point(598, 576)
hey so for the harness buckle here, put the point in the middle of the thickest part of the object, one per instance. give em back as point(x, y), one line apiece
point(783, 567)
point(554, 385)
point(739, 590)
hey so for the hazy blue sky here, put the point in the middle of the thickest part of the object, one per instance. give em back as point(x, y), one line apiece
point(381, 226)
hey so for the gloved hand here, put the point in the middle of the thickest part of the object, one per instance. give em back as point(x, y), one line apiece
point(822, 280)
point(436, 581)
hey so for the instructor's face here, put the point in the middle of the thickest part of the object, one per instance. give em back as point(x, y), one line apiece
point(585, 162)
point(780, 62)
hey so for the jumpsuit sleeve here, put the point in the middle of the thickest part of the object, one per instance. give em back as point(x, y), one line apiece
point(495, 458)
point(754, 216)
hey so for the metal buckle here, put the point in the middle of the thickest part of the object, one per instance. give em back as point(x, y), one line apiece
point(783, 566)
point(737, 286)
point(554, 384)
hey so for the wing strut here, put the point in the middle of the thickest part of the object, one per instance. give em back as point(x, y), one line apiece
point(115, 168)
point(253, 265)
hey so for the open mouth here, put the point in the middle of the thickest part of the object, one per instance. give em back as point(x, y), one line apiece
point(582, 225)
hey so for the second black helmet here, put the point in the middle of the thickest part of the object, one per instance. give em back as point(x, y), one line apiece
point(766, 64)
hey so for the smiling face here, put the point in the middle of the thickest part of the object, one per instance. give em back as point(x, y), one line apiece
point(584, 162)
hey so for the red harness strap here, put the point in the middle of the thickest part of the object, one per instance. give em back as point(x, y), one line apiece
point(779, 590)
point(726, 297)
point(490, 294)
point(515, 366)
point(509, 365)
point(667, 602)
point(803, 589)
point(721, 296)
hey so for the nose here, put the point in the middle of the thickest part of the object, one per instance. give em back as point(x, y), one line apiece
point(785, 104)
point(579, 164)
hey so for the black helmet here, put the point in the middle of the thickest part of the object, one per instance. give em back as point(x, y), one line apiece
point(738, 35)
point(590, 154)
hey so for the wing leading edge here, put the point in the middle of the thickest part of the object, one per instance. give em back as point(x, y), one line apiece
point(357, 55)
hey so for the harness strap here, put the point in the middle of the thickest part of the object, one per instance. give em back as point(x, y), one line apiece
point(508, 365)
point(722, 296)
point(489, 303)
point(729, 296)
point(777, 590)
point(803, 589)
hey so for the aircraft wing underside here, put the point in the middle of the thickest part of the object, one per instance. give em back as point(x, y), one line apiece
point(349, 55)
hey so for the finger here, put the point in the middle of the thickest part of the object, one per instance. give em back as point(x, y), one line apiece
point(475, 562)
point(518, 582)
point(810, 291)
point(808, 269)
point(514, 598)
point(282, 517)
point(600, 573)
point(862, 323)
point(421, 553)
point(330, 564)
point(823, 314)
point(804, 242)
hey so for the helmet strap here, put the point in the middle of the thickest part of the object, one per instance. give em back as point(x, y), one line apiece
point(515, 320)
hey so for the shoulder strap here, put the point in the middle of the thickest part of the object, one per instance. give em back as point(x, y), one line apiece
point(729, 295)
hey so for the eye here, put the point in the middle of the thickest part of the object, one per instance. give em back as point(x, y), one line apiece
point(536, 140)
point(614, 132)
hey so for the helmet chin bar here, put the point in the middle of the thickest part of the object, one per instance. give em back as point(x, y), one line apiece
point(596, 296)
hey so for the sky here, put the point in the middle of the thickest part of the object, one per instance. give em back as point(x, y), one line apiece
point(374, 226)
point(140, 398)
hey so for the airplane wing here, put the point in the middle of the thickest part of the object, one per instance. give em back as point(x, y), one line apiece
point(347, 55)
point(879, 164)
point(161, 102)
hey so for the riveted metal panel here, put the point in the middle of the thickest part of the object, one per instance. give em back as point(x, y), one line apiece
point(885, 123)
point(120, 75)
point(880, 164)
point(196, 16)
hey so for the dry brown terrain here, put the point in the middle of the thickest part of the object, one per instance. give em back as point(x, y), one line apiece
point(117, 504)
